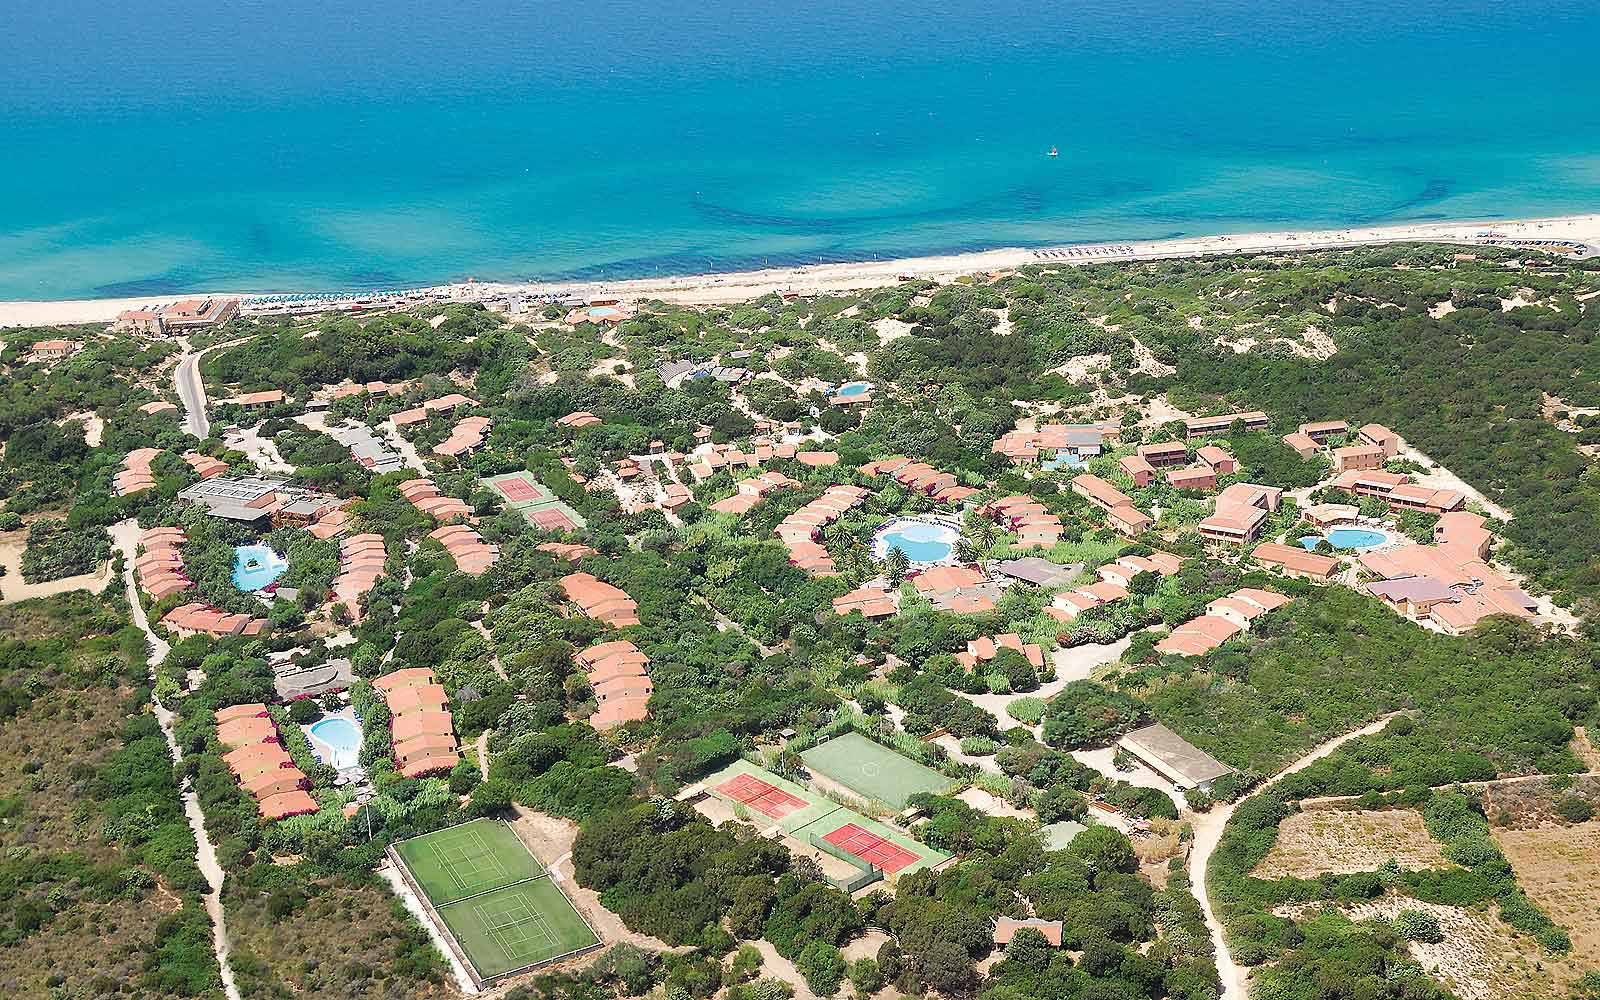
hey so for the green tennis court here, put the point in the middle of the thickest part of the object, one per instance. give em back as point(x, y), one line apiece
point(490, 895)
point(466, 860)
point(872, 770)
point(516, 927)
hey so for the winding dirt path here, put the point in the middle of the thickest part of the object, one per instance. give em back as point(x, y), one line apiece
point(1208, 833)
point(126, 536)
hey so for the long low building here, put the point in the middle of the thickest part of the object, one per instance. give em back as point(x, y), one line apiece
point(361, 561)
point(1399, 492)
point(135, 475)
point(473, 556)
point(1121, 514)
point(600, 600)
point(425, 496)
point(1253, 420)
point(920, 477)
point(1295, 561)
point(203, 619)
point(1175, 759)
point(160, 566)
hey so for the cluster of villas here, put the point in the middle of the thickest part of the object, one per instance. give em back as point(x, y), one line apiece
point(1225, 618)
point(466, 437)
point(421, 732)
point(1054, 445)
point(1210, 462)
point(263, 767)
point(1027, 518)
point(618, 673)
point(1448, 585)
point(1114, 579)
point(957, 589)
point(160, 572)
point(800, 530)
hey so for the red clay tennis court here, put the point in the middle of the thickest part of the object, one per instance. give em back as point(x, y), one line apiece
point(871, 848)
point(769, 800)
point(517, 490)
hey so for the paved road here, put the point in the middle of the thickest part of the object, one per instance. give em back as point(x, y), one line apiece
point(192, 389)
point(193, 393)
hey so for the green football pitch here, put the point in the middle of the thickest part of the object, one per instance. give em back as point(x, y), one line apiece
point(872, 770)
point(493, 897)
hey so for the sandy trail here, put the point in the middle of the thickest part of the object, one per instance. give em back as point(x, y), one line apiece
point(126, 536)
point(1208, 829)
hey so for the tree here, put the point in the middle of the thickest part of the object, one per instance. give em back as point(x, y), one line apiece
point(1029, 948)
point(1418, 925)
point(895, 566)
point(823, 967)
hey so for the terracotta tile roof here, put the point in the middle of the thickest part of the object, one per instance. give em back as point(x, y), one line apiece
point(600, 600)
point(404, 677)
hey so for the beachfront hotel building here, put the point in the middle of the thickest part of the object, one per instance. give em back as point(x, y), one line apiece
point(183, 316)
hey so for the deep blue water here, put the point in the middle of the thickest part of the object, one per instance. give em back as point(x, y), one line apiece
point(290, 144)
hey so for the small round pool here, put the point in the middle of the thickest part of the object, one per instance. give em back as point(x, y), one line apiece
point(1348, 538)
point(921, 541)
point(256, 567)
point(853, 389)
point(342, 737)
point(604, 312)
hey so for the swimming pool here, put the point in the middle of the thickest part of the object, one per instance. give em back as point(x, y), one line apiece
point(256, 566)
point(921, 541)
point(342, 738)
point(853, 389)
point(604, 312)
point(1348, 538)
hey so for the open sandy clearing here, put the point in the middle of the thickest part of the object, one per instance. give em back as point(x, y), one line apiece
point(1559, 868)
point(1346, 841)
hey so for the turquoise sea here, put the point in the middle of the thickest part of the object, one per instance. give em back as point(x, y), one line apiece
point(289, 144)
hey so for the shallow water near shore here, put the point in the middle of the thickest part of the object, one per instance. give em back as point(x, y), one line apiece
point(349, 144)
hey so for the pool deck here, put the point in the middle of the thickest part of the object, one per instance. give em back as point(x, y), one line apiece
point(880, 546)
point(327, 752)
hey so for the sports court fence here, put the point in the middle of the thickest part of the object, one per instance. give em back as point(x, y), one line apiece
point(870, 872)
point(479, 980)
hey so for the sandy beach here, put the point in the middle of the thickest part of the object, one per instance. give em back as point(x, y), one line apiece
point(713, 289)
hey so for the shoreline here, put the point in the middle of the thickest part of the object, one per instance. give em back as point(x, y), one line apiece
point(738, 286)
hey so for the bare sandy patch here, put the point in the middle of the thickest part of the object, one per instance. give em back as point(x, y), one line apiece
point(1558, 867)
point(1345, 842)
point(888, 328)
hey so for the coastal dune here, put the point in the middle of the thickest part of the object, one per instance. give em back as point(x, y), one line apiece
point(714, 289)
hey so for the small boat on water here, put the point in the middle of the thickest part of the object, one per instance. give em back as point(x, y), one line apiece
point(1053, 152)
